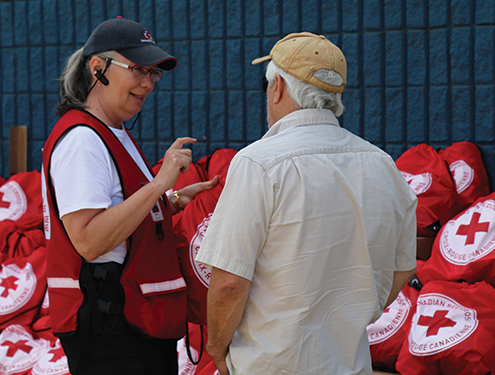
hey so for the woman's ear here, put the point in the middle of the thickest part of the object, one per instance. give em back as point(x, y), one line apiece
point(96, 63)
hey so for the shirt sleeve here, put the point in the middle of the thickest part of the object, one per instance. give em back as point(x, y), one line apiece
point(405, 258)
point(240, 222)
point(81, 172)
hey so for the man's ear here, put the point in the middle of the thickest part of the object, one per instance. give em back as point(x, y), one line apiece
point(278, 88)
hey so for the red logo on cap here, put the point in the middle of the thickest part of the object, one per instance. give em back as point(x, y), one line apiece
point(148, 35)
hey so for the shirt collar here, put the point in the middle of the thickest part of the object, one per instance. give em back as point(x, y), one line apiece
point(303, 117)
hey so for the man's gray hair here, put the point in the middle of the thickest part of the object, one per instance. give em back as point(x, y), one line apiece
point(76, 81)
point(304, 94)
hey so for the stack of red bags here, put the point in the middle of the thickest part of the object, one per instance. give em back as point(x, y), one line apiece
point(27, 345)
point(442, 322)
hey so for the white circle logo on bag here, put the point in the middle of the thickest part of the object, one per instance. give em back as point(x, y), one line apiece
point(463, 175)
point(19, 351)
point(53, 362)
point(471, 236)
point(13, 202)
point(439, 323)
point(202, 272)
point(419, 182)
point(17, 286)
point(391, 320)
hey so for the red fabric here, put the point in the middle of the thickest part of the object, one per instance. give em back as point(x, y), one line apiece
point(20, 200)
point(41, 326)
point(452, 332)
point(22, 288)
point(17, 243)
point(388, 333)
point(464, 248)
point(219, 162)
point(195, 173)
point(467, 169)
point(429, 177)
point(189, 229)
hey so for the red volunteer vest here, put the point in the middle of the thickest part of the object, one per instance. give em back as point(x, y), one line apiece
point(155, 292)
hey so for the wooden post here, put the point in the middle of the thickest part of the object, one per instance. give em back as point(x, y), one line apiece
point(18, 149)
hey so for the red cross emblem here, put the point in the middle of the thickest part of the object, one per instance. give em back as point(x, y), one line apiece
point(57, 354)
point(3, 204)
point(148, 35)
point(472, 228)
point(14, 347)
point(435, 322)
point(8, 283)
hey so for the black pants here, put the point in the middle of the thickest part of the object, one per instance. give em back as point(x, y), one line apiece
point(104, 342)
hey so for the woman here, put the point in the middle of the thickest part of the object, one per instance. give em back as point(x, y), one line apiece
point(117, 298)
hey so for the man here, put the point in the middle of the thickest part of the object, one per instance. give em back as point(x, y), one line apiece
point(314, 234)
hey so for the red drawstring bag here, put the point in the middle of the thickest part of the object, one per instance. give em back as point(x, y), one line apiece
point(18, 244)
point(53, 362)
point(467, 169)
point(218, 163)
point(21, 201)
point(194, 348)
point(204, 169)
point(452, 331)
point(388, 333)
point(464, 248)
point(22, 288)
point(195, 173)
point(19, 351)
point(189, 230)
point(429, 177)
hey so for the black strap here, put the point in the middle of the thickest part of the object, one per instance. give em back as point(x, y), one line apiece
point(188, 347)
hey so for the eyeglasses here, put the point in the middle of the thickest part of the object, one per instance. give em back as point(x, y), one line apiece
point(265, 84)
point(140, 71)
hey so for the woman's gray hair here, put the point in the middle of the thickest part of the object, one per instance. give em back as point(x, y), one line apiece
point(76, 81)
point(306, 95)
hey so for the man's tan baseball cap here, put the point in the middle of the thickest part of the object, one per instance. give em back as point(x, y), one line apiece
point(301, 54)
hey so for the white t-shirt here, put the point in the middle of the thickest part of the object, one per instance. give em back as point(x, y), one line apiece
point(318, 219)
point(84, 176)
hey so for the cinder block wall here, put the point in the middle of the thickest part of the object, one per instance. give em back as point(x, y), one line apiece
point(418, 70)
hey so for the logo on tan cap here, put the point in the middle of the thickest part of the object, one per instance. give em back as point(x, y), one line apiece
point(303, 54)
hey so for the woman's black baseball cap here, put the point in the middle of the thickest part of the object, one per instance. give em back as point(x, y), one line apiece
point(131, 40)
